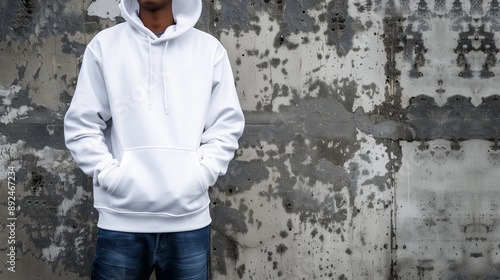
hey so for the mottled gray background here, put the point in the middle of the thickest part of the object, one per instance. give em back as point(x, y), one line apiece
point(370, 152)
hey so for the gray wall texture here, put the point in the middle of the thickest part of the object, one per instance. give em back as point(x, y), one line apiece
point(370, 152)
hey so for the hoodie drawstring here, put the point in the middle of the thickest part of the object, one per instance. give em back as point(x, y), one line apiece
point(164, 76)
point(150, 73)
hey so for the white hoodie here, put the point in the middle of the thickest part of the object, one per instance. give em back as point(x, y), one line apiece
point(154, 121)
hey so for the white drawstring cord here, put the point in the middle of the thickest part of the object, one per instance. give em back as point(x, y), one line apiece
point(164, 74)
point(165, 99)
point(150, 73)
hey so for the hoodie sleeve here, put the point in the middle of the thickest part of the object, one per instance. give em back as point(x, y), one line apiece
point(86, 118)
point(224, 125)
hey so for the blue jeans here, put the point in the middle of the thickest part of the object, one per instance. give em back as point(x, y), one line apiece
point(134, 256)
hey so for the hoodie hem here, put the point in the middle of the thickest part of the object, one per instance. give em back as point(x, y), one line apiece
point(151, 223)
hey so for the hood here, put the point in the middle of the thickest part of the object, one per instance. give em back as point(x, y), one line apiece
point(186, 14)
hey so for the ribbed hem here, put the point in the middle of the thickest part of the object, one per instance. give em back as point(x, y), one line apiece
point(147, 223)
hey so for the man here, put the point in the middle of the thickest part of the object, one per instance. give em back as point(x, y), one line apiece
point(155, 119)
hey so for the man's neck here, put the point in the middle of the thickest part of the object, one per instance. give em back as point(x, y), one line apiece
point(157, 20)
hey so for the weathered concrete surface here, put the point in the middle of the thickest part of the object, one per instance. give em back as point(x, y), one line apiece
point(445, 230)
point(370, 150)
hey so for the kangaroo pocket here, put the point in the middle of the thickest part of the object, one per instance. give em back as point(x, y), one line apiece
point(157, 180)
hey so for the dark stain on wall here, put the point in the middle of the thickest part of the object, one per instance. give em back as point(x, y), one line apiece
point(476, 40)
point(24, 15)
point(340, 26)
point(292, 17)
point(414, 51)
point(424, 120)
point(243, 176)
point(40, 127)
point(383, 126)
point(458, 119)
point(224, 249)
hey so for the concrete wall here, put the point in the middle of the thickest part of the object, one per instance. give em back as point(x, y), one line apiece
point(370, 150)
